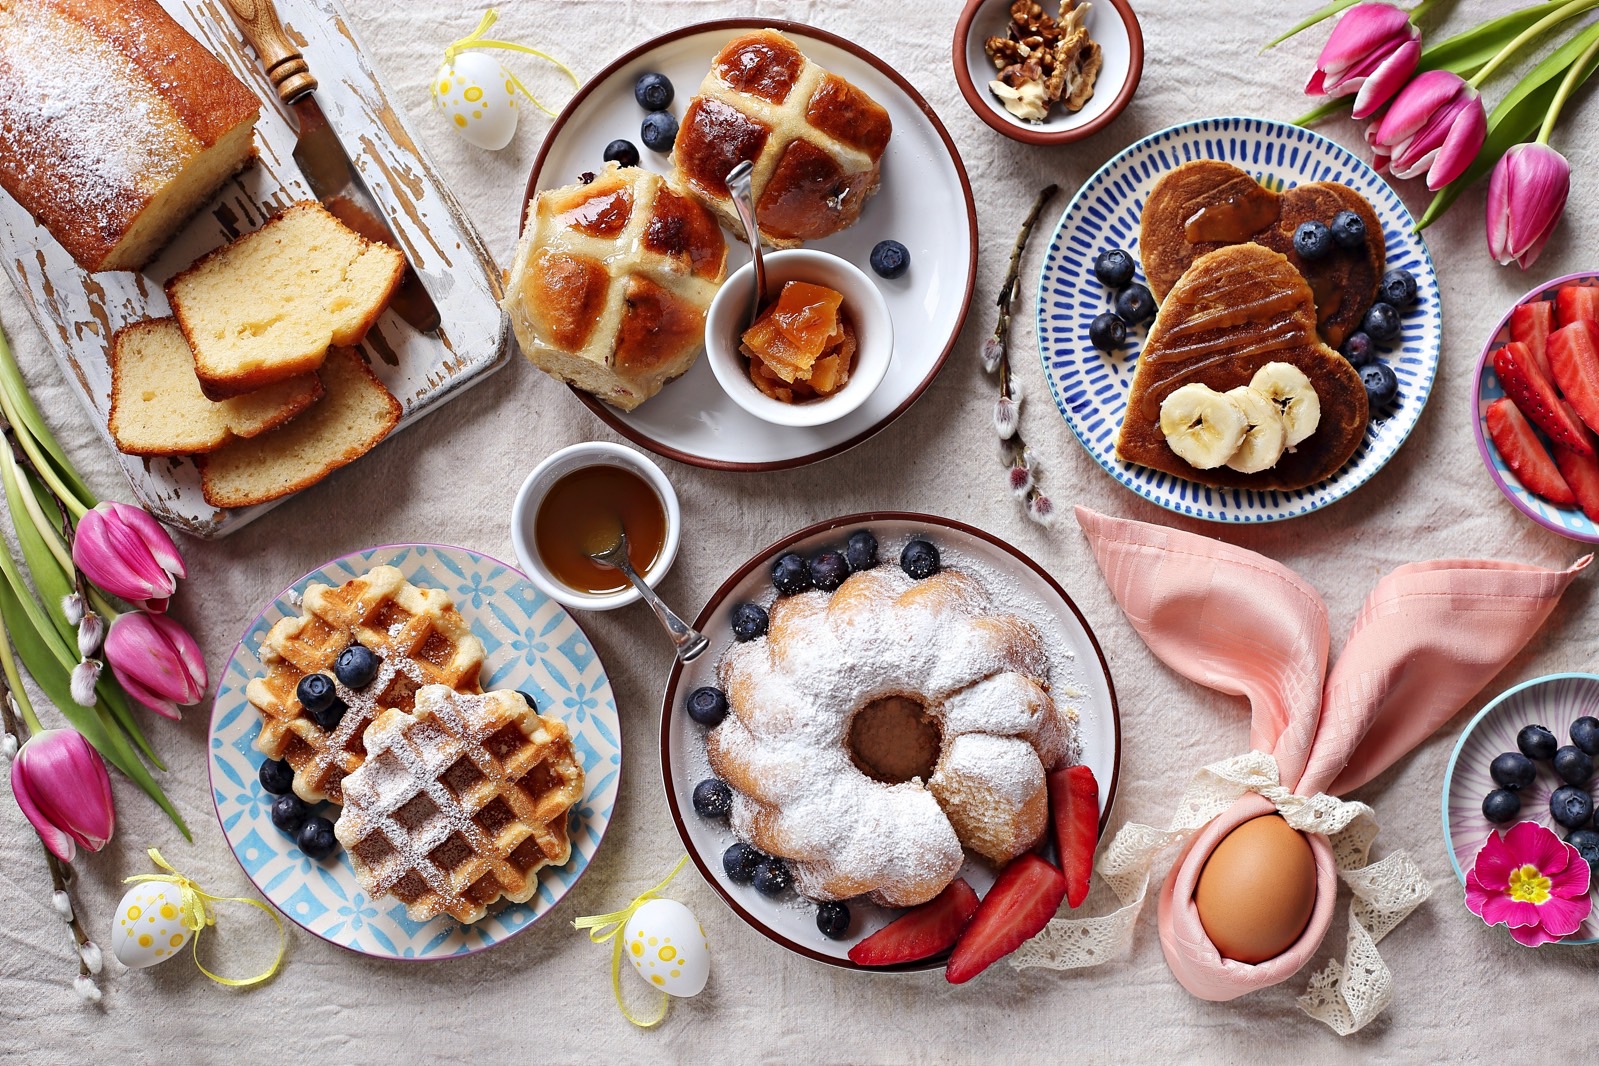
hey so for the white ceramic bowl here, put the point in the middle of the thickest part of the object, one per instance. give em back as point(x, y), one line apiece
point(729, 315)
point(537, 486)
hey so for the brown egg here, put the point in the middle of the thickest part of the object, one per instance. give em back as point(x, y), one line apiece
point(1257, 890)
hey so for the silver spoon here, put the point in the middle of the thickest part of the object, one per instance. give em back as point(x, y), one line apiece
point(738, 187)
point(690, 642)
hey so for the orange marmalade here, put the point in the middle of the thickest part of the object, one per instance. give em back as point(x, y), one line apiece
point(802, 347)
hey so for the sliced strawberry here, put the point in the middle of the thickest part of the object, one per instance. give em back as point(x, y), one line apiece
point(1577, 303)
point(1531, 324)
point(1074, 804)
point(1574, 362)
point(1022, 901)
point(920, 931)
point(1526, 384)
point(1525, 455)
point(1582, 474)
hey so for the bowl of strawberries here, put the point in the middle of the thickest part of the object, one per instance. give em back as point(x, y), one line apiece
point(1537, 406)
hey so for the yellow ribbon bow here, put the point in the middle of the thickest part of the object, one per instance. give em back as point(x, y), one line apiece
point(617, 921)
point(475, 39)
point(194, 910)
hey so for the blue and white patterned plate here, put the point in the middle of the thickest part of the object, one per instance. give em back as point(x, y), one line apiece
point(1090, 387)
point(532, 645)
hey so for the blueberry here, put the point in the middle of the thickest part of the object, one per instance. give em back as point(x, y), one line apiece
point(1348, 230)
point(712, 798)
point(890, 259)
point(707, 706)
point(1573, 765)
point(1107, 331)
point(1313, 240)
point(739, 863)
point(622, 152)
point(289, 813)
point(861, 552)
point(1585, 734)
point(1113, 267)
point(1358, 349)
point(1571, 806)
point(316, 838)
point(828, 570)
point(1398, 287)
point(1135, 304)
point(1381, 321)
point(1501, 805)
point(330, 716)
point(356, 666)
point(790, 574)
point(919, 559)
point(749, 621)
point(771, 877)
point(315, 692)
point(1512, 770)
point(1586, 841)
point(277, 777)
point(1536, 742)
point(658, 131)
point(653, 91)
point(832, 918)
point(527, 698)
point(1381, 384)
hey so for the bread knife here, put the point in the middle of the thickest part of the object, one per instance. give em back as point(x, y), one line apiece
point(320, 156)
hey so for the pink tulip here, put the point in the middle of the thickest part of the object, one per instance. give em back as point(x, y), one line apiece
point(126, 552)
point(1526, 197)
point(156, 661)
point(1435, 126)
point(60, 783)
point(1372, 52)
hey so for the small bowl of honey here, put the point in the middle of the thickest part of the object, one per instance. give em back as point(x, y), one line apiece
point(573, 504)
point(818, 349)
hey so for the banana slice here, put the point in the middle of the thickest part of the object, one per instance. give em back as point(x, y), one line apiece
point(1265, 439)
point(1287, 387)
point(1202, 426)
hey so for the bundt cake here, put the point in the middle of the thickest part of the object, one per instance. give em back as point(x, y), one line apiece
point(874, 732)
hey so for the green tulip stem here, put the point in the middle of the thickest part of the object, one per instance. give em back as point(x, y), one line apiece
point(41, 465)
point(1554, 18)
point(14, 689)
point(1568, 85)
point(30, 503)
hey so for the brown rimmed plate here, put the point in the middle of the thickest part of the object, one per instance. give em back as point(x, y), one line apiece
point(1017, 582)
point(925, 203)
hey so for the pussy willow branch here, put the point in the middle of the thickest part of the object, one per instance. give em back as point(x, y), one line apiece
point(1007, 290)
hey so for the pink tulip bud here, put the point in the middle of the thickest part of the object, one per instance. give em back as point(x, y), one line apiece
point(125, 551)
point(61, 784)
point(1435, 126)
point(1372, 52)
point(156, 661)
point(1526, 197)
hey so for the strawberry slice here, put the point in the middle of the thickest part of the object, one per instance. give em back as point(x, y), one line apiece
point(1574, 362)
point(1074, 804)
point(1022, 901)
point(1577, 303)
point(1582, 474)
point(1535, 395)
point(1531, 324)
point(1525, 455)
point(920, 931)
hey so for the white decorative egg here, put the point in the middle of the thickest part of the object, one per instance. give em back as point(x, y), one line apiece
point(478, 98)
point(668, 948)
point(149, 927)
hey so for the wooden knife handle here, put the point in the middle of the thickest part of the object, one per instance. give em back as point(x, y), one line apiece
point(285, 66)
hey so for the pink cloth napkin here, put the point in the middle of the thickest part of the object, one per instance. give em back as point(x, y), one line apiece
point(1429, 636)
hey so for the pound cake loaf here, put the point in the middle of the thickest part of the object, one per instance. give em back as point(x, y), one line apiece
point(115, 124)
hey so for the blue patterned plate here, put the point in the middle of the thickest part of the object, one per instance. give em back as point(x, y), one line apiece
point(532, 644)
point(1090, 387)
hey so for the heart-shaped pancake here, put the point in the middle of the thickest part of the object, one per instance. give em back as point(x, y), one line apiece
point(1207, 204)
point(1235, 310)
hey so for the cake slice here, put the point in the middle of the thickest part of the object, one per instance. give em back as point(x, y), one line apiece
point(157, 407)
point(269, 305)
point(344, 425)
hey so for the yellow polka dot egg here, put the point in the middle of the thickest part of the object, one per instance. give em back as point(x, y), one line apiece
point(668, 948)
point(149, 927)
point(477, 97)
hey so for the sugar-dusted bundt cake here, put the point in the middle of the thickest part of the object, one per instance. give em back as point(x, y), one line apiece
point(875, 731)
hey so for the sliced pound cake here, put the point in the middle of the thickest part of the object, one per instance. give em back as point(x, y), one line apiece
point(269, 305)
point(157, 407)
point(344, 425)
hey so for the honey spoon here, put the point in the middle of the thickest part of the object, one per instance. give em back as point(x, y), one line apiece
point(689, 642)
point(738, 187)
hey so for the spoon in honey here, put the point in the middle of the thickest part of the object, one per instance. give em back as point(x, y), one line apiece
point(689, 642)
point(738, 187)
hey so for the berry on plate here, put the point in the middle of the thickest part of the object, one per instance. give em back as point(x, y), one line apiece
point(919, 559)
point(790, 574)
point(1348, 230)
point(653, 91)
point(1525, 382)
point(749, 621)
point(316, 838)
point(1574, 364)
point(739, 862)
point(1021, 903)
point(712, 798)
point(828, 570)
point(1537, 742)
point(1525, 455)
point(1501, 806)
point(658, 131)
point(1531, 324)
point(771, 877)
point(289, 813)
point(277, 777)
point(1074, 806)
point(623, 152)
point(1381, 322)
point(707, 706)
point(1512, 770)
point(832, 918)
point(1358, 349)
point(330, 716)
point(890, 259)
point(1382, 386)
point(1107, 331)
point(1313, 240)
point(1574, 765)
point(315, 692)
point(921, 931)
point(861, 550)
point(1135, 304)
point(1398, 287)
point(356, 666)
point(1113, 267)
point(1582, 474)
point(1577, 303)
point(1571, 806)
point(1586, 841)
point(1585, 734)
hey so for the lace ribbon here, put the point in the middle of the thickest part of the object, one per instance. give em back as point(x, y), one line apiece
point(195, 912)
point(1344, 995)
